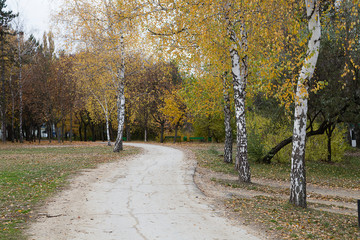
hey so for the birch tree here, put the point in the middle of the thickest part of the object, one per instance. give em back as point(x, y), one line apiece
point(108, 24)
point(298, 174)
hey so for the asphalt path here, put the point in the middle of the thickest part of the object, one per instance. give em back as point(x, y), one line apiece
point(149, 196)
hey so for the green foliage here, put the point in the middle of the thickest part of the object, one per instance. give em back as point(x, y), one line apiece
point(316, 146)
point(264, 133)
point(212, 126)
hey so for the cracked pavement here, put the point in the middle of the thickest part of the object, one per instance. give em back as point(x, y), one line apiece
point(149, 196)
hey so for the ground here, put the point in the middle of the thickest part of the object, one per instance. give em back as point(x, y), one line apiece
point(149, 196)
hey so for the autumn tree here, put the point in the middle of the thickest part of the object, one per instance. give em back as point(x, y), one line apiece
point(110, 25)
point(175, 110)
point(5, 18)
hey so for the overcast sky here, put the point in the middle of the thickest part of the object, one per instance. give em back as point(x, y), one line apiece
point(35, 15)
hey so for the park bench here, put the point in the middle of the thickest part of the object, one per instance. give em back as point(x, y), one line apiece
point(201, 139)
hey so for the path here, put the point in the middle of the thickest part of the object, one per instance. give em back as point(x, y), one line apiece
point(150, 196)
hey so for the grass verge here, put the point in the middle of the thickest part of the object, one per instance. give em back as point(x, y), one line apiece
point(274, 214)
point(277, 217)
point(30, 174)
point(345, 174)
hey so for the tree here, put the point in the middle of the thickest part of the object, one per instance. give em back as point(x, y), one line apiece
point(298, 176)
point(174, 110)
point(5, 18)
point(108, 24)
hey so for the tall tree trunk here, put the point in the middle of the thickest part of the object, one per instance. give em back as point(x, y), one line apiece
point(298, 173)
point(121, 118)
point(80, 132)
point(108, 130)
point(93, 133)
point(120, 97)
point(145, 134)
point(39, 133)
point(128, 133)
point(329, 132)
point(58, 133)
point(176, 132)
point(62, 130)
point(227, 120)
point(13, 118)
point(3, 104)
point(162, 132)
point(85, 132)
point(20, 91)
point(49, 131)
point(240, 73)
point(71, 126)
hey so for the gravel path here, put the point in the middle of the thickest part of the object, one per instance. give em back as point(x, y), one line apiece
point(150, 196)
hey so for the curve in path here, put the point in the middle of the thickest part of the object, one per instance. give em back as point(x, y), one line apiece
point(150, 196)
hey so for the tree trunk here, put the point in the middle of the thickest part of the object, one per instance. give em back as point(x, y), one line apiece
point(128, 133)
point(20, 90)
point(58, 133)
point(162, 125)
point(145, 134)
point(228, 130)
point(121, 118)
point(240, 73)
point(3, 104)
point(71, 125)
point(298, 174)
point(108, 130)
point(329, 132)
point(176, 132)
point(49, 131)
point(80, 132)
point(62, 130)
point(120, 97)
point(13, 118)
point(39, 133)
point(85, 132)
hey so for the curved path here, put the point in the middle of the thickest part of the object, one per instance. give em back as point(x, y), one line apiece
point(150, 196)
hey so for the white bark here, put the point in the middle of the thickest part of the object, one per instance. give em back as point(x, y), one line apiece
point(298, 174)
point(108, 130)
point(240, 72)
point(121, 118)
point(120, 96)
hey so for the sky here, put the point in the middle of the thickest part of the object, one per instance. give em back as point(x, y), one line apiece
point(34, 14)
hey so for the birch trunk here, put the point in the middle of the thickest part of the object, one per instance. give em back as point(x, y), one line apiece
point(121, 118)
point(240, 72)
point(120, 96)
point(298, 173)
point(228, 129)
point(107, 130)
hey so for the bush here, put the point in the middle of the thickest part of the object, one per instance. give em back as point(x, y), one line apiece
point(316, 146)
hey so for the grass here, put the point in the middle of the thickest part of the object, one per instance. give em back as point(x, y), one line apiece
point(279, 218)
point(345, 174)
point(274, 214)
point(30, 174)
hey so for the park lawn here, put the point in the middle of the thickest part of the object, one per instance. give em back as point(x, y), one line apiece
point(345, 174)
point(31, 173)
point(274, 214)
